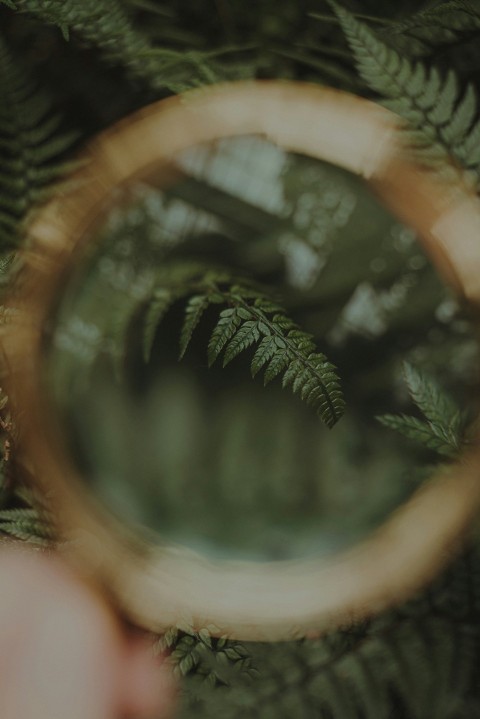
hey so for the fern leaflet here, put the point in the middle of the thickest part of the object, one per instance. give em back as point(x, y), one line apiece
point(193, 314)
point(419, 431)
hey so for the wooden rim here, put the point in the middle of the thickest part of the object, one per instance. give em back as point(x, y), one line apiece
point(157, 587)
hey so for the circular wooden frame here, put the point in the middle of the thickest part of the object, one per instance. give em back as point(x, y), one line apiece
point(157, 586)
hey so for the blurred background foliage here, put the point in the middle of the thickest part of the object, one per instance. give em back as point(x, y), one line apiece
point(344, 271)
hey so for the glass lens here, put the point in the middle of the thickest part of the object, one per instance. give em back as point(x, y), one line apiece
point(190, 262)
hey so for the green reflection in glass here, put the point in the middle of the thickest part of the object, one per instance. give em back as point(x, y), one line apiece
point(208, 457)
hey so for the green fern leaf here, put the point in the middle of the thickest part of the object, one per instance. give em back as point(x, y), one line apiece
point(461, 120)
point(195, 309)
point(440, 118)
point(468, 151)
point(264, 353)
point(436, 405)
point(162, 300)
point(283, 323)
point(283, 346)
point(279, 362)
point(100, 23)
point(419, 431)
point(107, 26)
point(441, 112)
point(30, 145)
point(295, 368)
point(437, 27)
point(228, 324)
point(246, 335)
point(293, 352)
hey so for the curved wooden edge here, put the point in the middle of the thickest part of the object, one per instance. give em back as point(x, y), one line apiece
point(287, 600)
point(158, 588)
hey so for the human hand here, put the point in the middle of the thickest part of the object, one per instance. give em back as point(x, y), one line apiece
point(63, 652)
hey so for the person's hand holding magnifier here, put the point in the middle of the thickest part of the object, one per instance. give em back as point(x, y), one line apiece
point(64, 653)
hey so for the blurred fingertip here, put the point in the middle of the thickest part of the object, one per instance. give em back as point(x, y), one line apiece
point(150, 688)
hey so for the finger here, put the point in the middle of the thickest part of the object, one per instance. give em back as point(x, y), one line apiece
point(62, 651)
point(149, 689)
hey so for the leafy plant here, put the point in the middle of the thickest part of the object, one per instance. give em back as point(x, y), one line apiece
point(421, 659)
point(443, 426)
point(31, 146)
point(362, 670)
point(250, 319)
point(107, 26)
point(440, 117)
point(217, 660)
point(434, 28)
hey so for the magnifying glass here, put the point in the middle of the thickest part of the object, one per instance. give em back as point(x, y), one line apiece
point(93, 292)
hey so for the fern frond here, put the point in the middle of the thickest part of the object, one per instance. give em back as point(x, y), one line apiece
point(30, 144)
point(440, 115)
point(443, 429)
point(283, 348)
point(100, 23)
point(439, 409)
point(250, 318)
point(106, 25)
point(447, 23)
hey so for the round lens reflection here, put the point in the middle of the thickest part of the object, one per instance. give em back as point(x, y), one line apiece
point(205, 455)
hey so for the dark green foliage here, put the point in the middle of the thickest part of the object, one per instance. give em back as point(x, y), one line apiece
point(102, 23)
point(31, 141)
point(216, 661)
point(426, 31)
point(422, 659)
point(283, 349)
point(417, 662)
point(107, 26)
point(442, 428)
point(440, 115)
